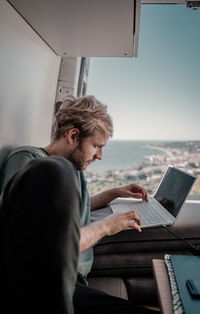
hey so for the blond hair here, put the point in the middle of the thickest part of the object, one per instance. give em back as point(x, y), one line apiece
point(86, 114)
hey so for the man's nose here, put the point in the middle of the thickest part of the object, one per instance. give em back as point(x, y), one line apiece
point(99, 154)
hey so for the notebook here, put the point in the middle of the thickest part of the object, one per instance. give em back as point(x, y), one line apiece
point(182, 300)
point(165, 206)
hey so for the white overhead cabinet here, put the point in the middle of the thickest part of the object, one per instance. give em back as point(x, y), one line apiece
point(85, 28)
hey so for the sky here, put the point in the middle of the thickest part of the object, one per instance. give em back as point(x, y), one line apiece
point(155, 96)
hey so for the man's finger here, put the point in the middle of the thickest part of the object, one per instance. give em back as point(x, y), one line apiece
point(144, 195)
point(137, 195)
point(135, 226)
point(133, 215)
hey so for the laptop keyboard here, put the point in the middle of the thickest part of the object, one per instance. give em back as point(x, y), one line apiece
point(150, 213)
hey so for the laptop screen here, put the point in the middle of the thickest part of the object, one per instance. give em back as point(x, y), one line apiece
point(174, 189)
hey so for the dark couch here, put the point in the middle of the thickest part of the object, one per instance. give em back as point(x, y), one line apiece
point(4, 153)
point(123, 262)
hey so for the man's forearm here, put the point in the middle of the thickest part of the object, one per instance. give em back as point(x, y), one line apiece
point(110, 225)
point(91, 234)
point(102, 199)
point(130, 190)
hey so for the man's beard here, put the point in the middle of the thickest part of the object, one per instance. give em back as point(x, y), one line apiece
point(77, 158)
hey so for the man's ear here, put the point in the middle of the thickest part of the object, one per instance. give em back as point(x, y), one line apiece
point(73, 135)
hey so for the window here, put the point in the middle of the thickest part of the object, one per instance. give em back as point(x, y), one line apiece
point(153, 99)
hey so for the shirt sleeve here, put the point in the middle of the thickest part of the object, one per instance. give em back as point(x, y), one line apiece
point(14, 163)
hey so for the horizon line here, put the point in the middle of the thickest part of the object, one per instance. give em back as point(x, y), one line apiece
point(166, 140)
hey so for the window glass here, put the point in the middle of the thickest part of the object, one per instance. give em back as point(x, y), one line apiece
point(154, 101)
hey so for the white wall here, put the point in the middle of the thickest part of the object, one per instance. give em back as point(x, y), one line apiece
point(28, 80)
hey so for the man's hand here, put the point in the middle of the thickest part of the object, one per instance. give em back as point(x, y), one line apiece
point(120, 221)
point(104, 198)
point(108, 226)
point(133, 190)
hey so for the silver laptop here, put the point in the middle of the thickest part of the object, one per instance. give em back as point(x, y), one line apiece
point(165, 205)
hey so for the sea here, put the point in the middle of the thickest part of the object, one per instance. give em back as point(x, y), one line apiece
point(118, 154)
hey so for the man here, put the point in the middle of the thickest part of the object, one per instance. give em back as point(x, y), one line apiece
point(44, 200)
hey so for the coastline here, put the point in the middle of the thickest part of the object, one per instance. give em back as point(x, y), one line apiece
point(125, 154)
point(185, 155)
point(165, 150)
